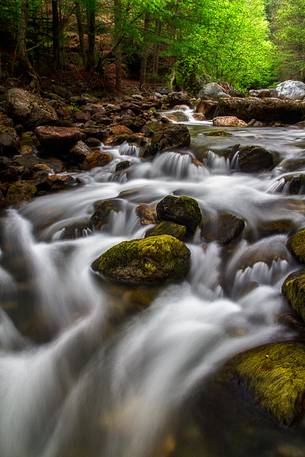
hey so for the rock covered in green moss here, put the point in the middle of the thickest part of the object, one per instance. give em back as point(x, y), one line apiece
point(294, 290)
point(151, 260)
point(296, 245)
point(168, 228)
point(274, 375)
point(180, 210)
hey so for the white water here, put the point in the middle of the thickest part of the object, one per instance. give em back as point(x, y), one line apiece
point(88, 391)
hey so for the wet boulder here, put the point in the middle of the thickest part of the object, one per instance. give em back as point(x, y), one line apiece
point(274, 376)
point(294, 90)
point(222, 227)
point(296, 245)
point(266, 110)
point(147, 214)
point(178, 98)
point(293, 184)
point(168, 228)
point(151, 260)
point(103, 210)
point(80, 151)
point(294, 290)
point(176, 116)
point(250, 159)
point(212, 91)
point(164, 137)
point(57, 139)
point(8, 136)
point(180, 210)
point(207, 108)
point(28, 108)
point(228, 121)
point(96, 158)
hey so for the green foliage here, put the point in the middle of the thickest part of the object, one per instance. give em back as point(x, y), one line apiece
point(289, 35)
point(230, 43)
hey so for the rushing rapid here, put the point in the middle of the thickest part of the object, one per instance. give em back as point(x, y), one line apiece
point(72, 383)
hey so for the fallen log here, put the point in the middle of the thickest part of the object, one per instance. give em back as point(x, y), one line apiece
point(267, 110)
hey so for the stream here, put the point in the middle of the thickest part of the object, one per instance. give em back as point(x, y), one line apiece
point(82, 387)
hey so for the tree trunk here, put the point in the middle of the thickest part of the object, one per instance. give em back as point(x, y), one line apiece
point(78, 14)
point(91, 9)
point(143, 69)
point(118, 52)
point(156, 53)
point(56, 34)
point(21, 53)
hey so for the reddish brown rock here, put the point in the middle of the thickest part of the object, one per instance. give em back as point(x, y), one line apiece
point(96, 158)
point(147, 214)
point(62, 138)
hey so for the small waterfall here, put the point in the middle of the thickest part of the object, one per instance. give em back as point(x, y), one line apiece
point(216, 163)
point(177, 165)
point(234, 163)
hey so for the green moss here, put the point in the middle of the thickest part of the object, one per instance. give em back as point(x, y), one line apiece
point(181, 210)
point(168, 228)
point(150, 260)
point(294, 290)
point(275, 376)
point(296, 245)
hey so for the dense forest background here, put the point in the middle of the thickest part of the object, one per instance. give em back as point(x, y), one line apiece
point(182, 43)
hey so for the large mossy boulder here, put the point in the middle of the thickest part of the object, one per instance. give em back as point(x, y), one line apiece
point(274, 375)
point(164, 137)
point(180, 210)
point(151, 260)
point(294, 290)
point(296, 245)
point(168, 228)
point(28, 108)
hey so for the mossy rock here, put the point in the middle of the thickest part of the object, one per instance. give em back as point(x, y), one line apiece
point(180, 210)
point(274, 375)
point(296, 245)
point(151, 260)
point(168, 228)
point(294, 290)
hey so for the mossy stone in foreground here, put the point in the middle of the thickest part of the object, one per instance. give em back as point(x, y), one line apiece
point(296, 245)
point(181, 210)
point(168, 228)
point(151, 260)
point(294, 290)
point(275, 376)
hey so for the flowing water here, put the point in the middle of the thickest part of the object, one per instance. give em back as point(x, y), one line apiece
point(72, 383)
